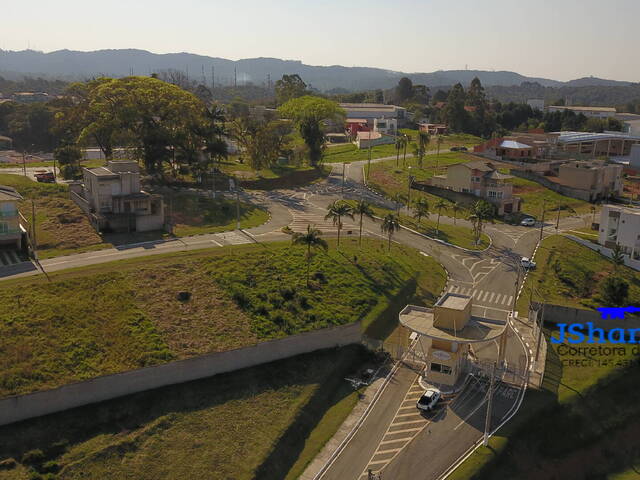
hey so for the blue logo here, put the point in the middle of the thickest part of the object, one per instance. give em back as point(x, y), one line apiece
point(581, 332)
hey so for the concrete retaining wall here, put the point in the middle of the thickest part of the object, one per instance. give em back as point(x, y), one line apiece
point(21, 407)
point(556, 187)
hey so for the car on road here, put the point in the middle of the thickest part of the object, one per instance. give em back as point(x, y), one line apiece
point(527, 263)
point(528, 222)
point(44, 176)
point(429, 399)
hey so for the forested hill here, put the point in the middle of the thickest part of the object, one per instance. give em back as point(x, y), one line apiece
point(74, 65)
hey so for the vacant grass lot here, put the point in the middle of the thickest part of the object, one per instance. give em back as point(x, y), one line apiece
point(278, 176)
point(124, 315)
point(264, 422)
point(570, 274)
point(533, 194)
point(195, 214)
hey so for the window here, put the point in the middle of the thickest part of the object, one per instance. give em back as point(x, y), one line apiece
point(4, 227)
point(437, 367)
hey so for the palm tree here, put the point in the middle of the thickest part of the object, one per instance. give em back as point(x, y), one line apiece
point(405, 141)
point(481, 211)
point(336, 211)
point(593, 213)
point(312, 240)
point(390, 225)
point(363, 209)
point(456, 208)
point(440, 205)
point(399, 145)
point(617, 256)
point(421, 209)
point(420, 149)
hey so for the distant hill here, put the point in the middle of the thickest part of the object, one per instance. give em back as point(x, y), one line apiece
point(71, 65)
point(595, 82)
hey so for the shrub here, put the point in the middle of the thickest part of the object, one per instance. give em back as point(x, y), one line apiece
point(50, 467)
point(8, 464)
point(615, 291)
point(33, 458)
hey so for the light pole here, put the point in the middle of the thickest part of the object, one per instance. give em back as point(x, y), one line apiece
point(343, 173)
point(369, 161)
point(542, 220)
point(487, 421)
point(409, 191)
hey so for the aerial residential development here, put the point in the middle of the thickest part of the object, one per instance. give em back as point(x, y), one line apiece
point(390, 257)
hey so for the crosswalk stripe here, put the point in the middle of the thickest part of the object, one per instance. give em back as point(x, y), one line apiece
point(486, 294)
point(405, 439)
point(406, 430)
point(383, 452)
point(510, 299)
point(406, 423)
point(493, 294)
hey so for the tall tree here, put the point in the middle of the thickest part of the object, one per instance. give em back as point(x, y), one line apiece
point(481, 211)
point(456, 208)
point(312, 240)
point(336, 211)
point(420, 149)
point(390, 225)
point(289, 87)
point(363, 209)
point(454, 112)
point(309, 113)
point(440, 205)
point(404, 90)
point(421, 209)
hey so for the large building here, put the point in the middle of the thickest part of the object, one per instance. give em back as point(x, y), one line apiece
point(482, 179)
point(620, 226)
point(371, 111)
point(591, 112)
point(12, 232)
point(599, 179)
point(595, 144)
point(447, 334)
point(114, 200)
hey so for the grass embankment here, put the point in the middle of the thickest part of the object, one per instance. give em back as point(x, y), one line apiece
point(125, 315)
point(571, 275)
point(583, 423)
point(264, 422)
point(48, 164)
point(276, 177)
point(533, 194)
point(456, 234)
point(62, 228)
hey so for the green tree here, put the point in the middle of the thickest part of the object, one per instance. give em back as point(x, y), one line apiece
point(454, 112)
point(421, 209)
point(456, 208)
point(481, 212)
point(309, 113)
point(420, 149)
point(390, 225)
point(312, 239)
point(261, 140)
point(440, 205)
point(615, 291)
point(336, 211)
point(617, 256)
point(68, 158)
point(404, 90)
point(363, 209)
point(289, 87)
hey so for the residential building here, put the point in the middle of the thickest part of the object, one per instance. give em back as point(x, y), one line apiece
point(371, 139)
point(114, 200)
point(12, 231)
point(355, 125)
point(620, 225)
point(591, 112)
point(385, 126)
point(597, 178)
point(630, 122)
point(371, 111)
point(482, 179)
point(514, 150)
point(433, 128)
point(595, 144)
point(446, 336)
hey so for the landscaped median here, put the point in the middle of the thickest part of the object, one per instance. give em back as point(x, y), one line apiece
point(583, 422)
point(267, 421)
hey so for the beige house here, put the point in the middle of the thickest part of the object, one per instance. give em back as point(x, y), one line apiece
point(114, 200)
point(599, 179)
point(12, 230)
point(446, 335)
point(482, 179)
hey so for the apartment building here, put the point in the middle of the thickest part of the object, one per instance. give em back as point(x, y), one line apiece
point(12, 231)
point(597, 179)
point(113, 199)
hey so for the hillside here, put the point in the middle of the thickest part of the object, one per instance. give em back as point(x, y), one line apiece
point(70, 64)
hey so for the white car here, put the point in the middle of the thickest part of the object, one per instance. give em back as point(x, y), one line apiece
point(429, 399)
point(527, 263)
point(528, 222)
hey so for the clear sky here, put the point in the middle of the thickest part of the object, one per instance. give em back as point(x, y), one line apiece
point(560, 39)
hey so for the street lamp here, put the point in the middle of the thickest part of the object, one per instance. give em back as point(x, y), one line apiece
point(411, 178)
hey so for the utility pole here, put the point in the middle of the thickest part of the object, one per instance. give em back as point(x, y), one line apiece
point(369, 161)
point(34, 240)
point(24, 163)
point(540, 325)
point(409, 191)
point(542, 220)
point(55, 178)
point(487, 423)
point(343, 172)
point(237, 207)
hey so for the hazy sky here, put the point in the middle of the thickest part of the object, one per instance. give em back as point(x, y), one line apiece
point(560, 39)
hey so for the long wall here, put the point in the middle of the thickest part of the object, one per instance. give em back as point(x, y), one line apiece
point(561, 314)
point(21, 407)
point(556, 187)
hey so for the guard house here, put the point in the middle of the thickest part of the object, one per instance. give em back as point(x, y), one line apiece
point(446, 333)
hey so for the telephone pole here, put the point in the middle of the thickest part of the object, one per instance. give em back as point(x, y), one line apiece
point(542, 220)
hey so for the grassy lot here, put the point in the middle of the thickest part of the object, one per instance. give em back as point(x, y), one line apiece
point(263, 422)
point(276, 177)
point(124, 315)
point(452, 140)
point(195, 214)
point(62, 228)
point(350, 153)
point(533, 194)
point(456, 234)
point(49, 164)
point(570, 274)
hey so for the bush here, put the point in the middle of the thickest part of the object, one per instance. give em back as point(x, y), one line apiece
point(615, 291)
point(33, 458)
point(8, 464)
point(50, 467)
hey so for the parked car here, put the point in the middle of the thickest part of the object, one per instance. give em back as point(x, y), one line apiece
point(44, 177)
point(429, 399)
point(527, 263)
point(462, 149)
point(454, 149)
point(528, 222)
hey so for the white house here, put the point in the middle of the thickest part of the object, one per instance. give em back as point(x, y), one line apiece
point(591, 112)
point(621, 226)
